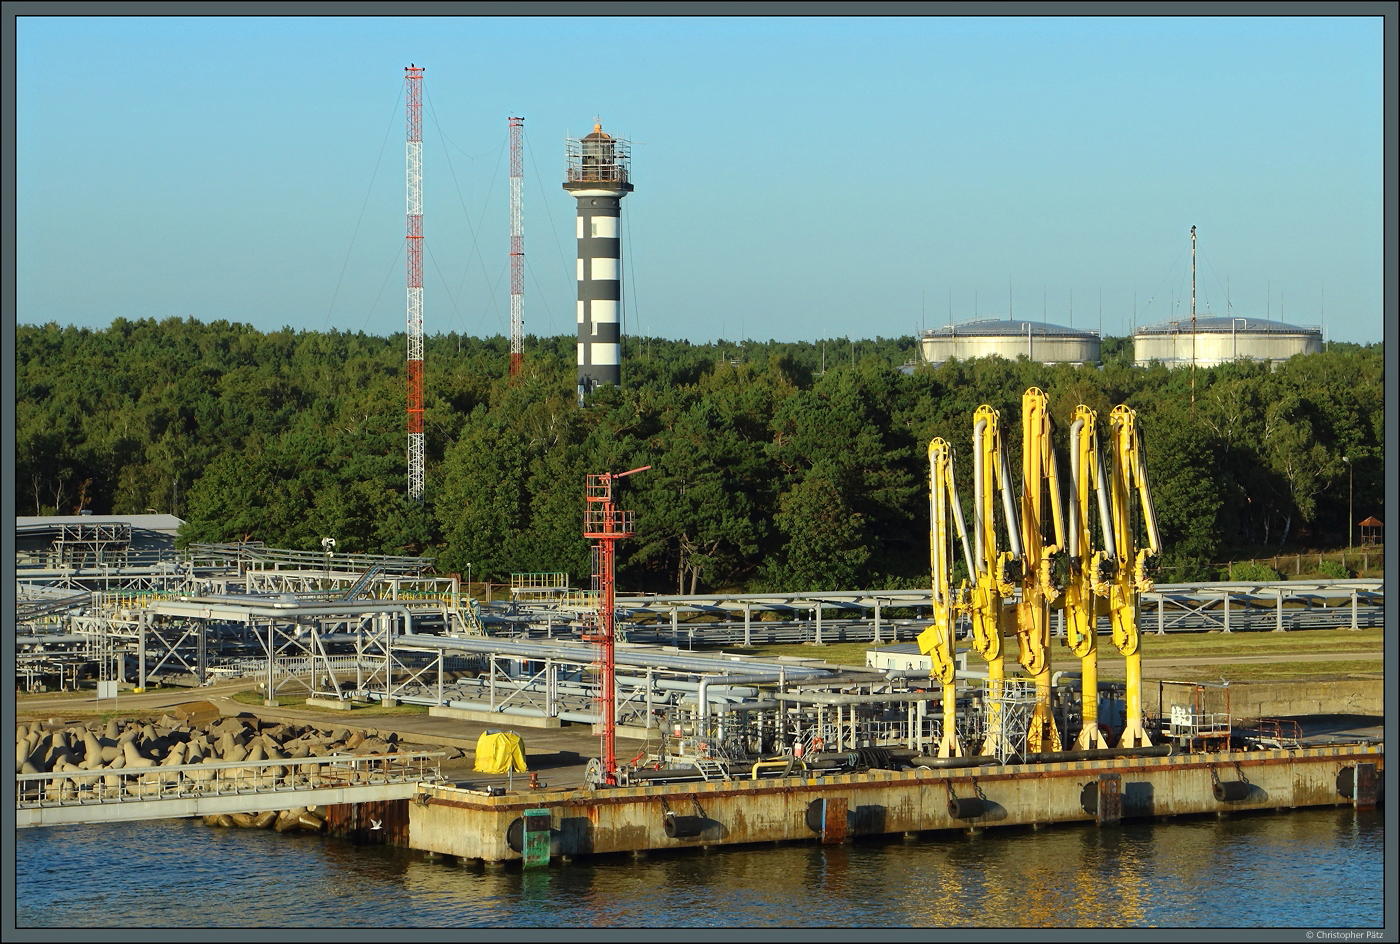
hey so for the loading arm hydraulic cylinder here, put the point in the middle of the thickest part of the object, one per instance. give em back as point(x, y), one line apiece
point(1091, 572)
point(1039, 589)
point(995, 572)
point(1132, 579)
point(937, 641)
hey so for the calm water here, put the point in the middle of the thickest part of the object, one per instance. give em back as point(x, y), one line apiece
point(1319, 868)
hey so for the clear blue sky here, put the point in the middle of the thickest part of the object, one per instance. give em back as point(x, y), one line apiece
point(796, 178)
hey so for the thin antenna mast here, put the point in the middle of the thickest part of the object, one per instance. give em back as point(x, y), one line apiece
point(517, 249)
point(413, 165)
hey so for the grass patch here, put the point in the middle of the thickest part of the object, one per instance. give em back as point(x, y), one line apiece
point(1255, 643)
point(86, 714)
point(283, 701)
point(376, 711)
point(1169, 646)
point(1253, 671)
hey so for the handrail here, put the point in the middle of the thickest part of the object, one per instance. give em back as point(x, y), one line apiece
point(133, 784)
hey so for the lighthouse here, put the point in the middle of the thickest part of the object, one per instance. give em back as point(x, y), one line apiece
point(598, 176)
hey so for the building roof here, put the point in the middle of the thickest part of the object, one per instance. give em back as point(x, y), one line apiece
point(995, 327)
point(168, 523)
point(1372, 522)
point(1217, 325)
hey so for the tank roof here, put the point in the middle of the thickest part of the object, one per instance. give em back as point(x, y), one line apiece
point(1217, 325)
point(994, 327)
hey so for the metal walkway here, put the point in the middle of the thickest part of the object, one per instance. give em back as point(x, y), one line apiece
point(125, 794)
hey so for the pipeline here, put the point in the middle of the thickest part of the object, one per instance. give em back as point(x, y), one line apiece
point(1075, 676)
point(750, 672)
point(787, 763)
point(923, 760)
point(884, 758)
point(1103, 753)
point(1013, 523)
point(977, 523)
point(723, 708)
point(826, 698)
point(479, 706)
point(702, 693)
point(1100, 753)
point(1074, 471)
point(665, 775)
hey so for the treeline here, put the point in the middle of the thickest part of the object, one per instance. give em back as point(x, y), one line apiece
point(773, 465)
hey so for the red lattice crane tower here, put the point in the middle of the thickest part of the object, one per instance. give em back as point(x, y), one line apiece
point(605, 524)
point(517, 248)
point(413, 167)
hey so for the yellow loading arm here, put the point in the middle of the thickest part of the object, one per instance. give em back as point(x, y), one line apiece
point(1086, 593)
point(1129, 479)
point(937, 641)
point(1038, 589)
point(994, 572)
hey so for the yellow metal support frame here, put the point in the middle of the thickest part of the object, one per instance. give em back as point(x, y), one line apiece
point(937, 641)
point(1129, 476)
point(1086, 594)
point(992, 582)
point(1038, 589)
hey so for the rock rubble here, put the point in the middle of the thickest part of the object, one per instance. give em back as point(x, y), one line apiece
point(130, 757)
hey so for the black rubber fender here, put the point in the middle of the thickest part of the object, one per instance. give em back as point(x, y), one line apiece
point(1230, 791)
point(1089, 798)
point(684, 827)
point(966, 807)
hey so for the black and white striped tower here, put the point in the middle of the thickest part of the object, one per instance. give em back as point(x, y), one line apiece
point(598, 170)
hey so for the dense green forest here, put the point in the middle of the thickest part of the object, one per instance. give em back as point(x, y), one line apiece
point(774, 465)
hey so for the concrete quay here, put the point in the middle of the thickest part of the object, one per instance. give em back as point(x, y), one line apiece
point(471, 825)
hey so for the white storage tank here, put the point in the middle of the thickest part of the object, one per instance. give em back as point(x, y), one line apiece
point(1220, 340)
point(1037, 340)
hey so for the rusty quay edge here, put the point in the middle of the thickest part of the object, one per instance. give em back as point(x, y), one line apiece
point(448, 821)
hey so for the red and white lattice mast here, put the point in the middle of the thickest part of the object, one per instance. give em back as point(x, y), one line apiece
point(413, 165)
point(517, 249)
point(604, 523)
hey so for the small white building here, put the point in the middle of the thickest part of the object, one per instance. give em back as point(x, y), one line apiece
point(905, 656)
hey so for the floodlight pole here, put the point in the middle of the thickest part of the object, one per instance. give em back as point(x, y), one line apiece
point(605, 524)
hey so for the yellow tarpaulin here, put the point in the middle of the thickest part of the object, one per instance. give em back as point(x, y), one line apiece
point(498, 752)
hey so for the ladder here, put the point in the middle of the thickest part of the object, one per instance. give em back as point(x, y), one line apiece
point(711, 769)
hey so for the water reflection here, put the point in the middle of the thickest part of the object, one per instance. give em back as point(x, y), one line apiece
point(1313, 868)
